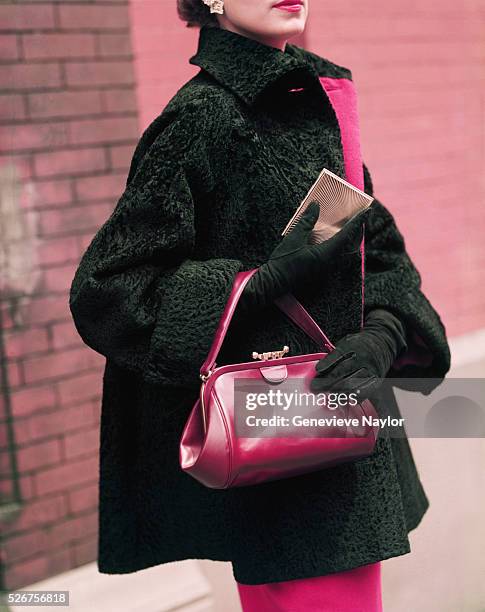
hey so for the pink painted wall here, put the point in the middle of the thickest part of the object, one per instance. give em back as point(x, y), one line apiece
point(419, 71)
point(418, 68)
point(162, 46)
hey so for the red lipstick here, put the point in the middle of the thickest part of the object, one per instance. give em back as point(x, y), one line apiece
point(292, 6)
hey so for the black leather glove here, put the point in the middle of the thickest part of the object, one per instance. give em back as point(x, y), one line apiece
point(294, 262)
point(360, 361)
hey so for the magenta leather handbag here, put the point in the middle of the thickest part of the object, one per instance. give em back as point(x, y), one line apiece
point(209, 449)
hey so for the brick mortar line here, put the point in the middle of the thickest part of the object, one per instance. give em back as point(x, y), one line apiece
point(68, 548)
point(82, 59)
point(40, 439)
point(73, 204)
point(56, 13)
point(76, 3)
point(45, 466)
point(57, 402)
point(59, 29)
point(68, 30)
point(41, 121)
point(50, 352)
point(63, 459)
point(69, 463)
point(85, 174)
point(70, 514)
point(43, 554)
point(71, 88)
point(50, 412)
point(26, 152)
point(60, 377)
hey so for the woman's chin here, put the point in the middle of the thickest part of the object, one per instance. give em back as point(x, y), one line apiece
point(286, 29)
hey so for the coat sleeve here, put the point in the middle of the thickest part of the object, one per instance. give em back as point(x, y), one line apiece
point(139, 296)
point(393, 282)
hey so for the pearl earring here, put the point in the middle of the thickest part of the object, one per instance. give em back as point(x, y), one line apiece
point(216, 6)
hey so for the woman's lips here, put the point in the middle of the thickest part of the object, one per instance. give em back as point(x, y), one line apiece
point(292, 6)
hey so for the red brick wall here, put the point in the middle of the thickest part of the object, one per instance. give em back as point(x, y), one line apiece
point(68, 125)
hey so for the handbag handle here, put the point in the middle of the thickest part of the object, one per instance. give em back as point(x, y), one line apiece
point(287, 303)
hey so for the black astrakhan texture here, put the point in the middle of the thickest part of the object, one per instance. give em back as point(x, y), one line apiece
point(212, 183)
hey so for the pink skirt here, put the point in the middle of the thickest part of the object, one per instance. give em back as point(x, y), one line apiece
point(355, 589)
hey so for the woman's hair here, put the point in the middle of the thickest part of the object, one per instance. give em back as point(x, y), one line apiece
point(195, 13)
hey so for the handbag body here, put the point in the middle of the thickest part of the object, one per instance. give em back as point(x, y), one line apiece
point(212, 453)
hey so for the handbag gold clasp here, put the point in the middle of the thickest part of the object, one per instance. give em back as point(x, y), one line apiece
point(271, 354)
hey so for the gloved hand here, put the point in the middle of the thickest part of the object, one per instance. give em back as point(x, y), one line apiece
point(362, 360)
point(294, 262)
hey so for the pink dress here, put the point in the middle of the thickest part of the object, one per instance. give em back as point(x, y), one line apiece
point(358, 589)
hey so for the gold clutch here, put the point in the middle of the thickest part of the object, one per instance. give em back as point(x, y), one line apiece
point(339, 202)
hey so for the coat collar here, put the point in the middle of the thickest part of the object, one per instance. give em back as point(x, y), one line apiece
point(248, 67)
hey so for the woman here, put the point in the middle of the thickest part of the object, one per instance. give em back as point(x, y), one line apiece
point(212, 183)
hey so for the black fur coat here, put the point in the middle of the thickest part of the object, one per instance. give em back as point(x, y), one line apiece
point(213, 181)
